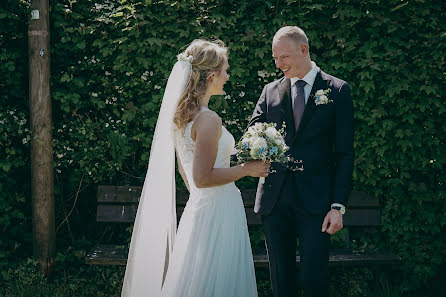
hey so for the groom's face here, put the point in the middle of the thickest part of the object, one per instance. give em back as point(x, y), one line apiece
point(289, 57)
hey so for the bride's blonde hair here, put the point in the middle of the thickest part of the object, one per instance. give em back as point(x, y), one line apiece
point(207, 58)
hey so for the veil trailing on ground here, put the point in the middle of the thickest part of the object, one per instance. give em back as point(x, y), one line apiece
point(155, 223)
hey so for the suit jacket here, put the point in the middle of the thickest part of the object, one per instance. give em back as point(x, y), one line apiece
point(324, 142)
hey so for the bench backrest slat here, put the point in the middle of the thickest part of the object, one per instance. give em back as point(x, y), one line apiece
point(131, 194)
point(116, 213)
point(358, 199)
point(362, 217)
point(119, 204)
point(127, 213)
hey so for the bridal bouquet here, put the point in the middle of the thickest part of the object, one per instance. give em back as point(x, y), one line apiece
point(264, 142)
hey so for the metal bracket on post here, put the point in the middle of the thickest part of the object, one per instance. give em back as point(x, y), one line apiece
point(35, 14)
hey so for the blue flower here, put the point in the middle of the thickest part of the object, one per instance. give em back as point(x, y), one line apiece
point(273, 150)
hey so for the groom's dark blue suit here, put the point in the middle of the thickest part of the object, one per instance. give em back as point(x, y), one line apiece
point(295, 203)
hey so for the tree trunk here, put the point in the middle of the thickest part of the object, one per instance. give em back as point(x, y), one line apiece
point(42, 179)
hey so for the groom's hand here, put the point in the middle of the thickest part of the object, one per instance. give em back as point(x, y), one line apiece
point(332, 222)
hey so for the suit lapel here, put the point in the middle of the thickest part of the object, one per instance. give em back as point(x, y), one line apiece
point(310, 107)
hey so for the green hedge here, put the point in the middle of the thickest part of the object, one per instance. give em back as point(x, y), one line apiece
point(110, 62)
point(14, 135)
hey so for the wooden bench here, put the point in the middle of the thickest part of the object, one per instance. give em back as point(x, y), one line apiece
point(118, 204)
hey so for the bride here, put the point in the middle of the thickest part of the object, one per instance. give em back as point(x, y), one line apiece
point(210, 254)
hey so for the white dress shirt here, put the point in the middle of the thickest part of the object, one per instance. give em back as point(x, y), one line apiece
point(308, 78)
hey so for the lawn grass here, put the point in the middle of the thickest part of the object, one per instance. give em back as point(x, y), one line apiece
point(73, 278)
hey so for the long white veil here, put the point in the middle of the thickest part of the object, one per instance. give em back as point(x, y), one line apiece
point(155, 224)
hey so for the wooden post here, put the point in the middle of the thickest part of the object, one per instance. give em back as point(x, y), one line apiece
point(42, 178)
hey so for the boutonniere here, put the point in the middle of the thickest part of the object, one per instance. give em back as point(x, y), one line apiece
point(321, 97)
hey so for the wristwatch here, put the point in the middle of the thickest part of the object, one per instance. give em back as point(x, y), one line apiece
point(339, 207)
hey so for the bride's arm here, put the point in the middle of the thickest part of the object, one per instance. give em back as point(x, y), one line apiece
point(182, 173)
point(206, 132)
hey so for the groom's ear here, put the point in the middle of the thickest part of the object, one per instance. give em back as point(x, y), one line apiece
point(304, 50)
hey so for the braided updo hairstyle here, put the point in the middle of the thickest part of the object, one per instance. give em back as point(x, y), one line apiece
point(207, 58)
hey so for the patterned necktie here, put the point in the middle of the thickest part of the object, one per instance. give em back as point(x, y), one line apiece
point(299, 102)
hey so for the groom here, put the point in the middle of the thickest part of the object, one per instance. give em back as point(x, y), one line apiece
point(309, 204)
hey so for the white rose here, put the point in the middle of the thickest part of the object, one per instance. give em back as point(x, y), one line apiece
point(253, 153)
point(278, 141)
point(323, 98)
point(320, 92)
point(271, 133)
point(259, 142)
point(246, 141)
point(251, 130)
point(258, 126)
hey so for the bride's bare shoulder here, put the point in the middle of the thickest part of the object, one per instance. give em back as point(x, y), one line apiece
point(208, 117)
point(207, 122)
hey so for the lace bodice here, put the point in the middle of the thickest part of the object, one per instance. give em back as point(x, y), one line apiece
point(185, 148)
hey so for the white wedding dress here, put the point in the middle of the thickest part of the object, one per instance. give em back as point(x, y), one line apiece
point(212, 255)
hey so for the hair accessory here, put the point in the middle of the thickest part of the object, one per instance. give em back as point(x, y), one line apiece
point(185, 58)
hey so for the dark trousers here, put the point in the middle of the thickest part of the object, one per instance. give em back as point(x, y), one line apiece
point(287, 220)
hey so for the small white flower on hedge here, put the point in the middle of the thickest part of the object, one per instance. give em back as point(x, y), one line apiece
point(263, 73)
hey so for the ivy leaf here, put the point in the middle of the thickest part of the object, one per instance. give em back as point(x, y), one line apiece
point(81, 45)
point(6, 166)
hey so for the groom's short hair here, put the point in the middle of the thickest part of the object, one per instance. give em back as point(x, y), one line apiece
point(292, 32)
